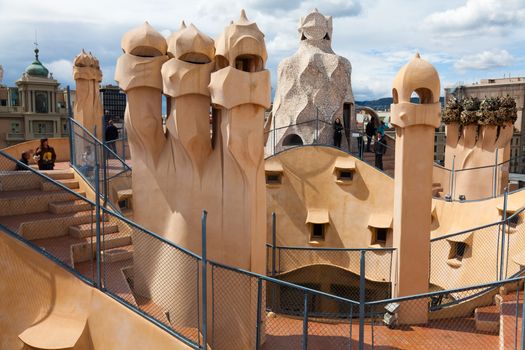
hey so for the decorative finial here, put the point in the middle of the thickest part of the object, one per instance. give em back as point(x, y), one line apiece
point(182, 25)
point(316, 10)
point(243, 17)
point(36, 46)
point(418, 55)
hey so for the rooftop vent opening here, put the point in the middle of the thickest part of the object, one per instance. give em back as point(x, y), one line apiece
point(318, 231)
point(424, 95)
point(326, 37)
point(457, 250)
point(379, 236)
point(274, 178)
point(249, 63)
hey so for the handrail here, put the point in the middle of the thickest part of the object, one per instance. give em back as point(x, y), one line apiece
point(281, 282)
point(99, 142)
point(44, 252)
point(518, 212)
point(329, 248)
point(153, 234)
point(449, 291)
point(47, 178)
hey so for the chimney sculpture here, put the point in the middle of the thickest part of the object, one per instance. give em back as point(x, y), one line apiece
point(195, 166)
point(88, 107)
point(478, 136)
point(415, 124)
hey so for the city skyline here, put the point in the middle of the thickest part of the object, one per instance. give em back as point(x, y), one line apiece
point(465, 40)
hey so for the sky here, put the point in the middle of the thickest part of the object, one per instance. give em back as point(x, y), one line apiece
point(466, 40)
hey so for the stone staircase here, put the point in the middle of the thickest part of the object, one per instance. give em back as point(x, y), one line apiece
point(502, 317)
point(58, 221)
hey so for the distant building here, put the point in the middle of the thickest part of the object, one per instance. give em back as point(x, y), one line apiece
point(113, 103)
point(35, 108)
point(514, 87)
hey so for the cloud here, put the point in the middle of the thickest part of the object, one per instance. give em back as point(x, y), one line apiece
point(62, 71)
point(335, 8)
point(485, 60)
point(478, 15)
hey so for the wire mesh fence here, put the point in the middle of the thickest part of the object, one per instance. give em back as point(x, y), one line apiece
point(147, 273)
point(314, 267)
point(315, 131)
point(98, 163)
point(253, 311)
point(163, 283)
point(488, 317)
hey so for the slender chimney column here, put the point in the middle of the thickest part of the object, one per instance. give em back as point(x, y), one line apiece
point(415, 124)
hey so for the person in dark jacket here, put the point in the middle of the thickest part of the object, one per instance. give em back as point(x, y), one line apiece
point(111, 135)
point(370, 132)
point(338, 132)
point(380, 150)
point(45, 156)
point(24, 159)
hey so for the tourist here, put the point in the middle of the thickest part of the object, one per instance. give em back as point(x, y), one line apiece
point(111, 135)
point(45, 156)
point(88, 161)
point(381, 128)
point(370, 131)
point(24, 159)
point(380, 150)
point(338, 132)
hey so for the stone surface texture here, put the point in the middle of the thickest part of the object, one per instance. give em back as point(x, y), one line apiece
point(314, 82)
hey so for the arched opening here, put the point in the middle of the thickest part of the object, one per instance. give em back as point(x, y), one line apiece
point(249, 63)
point(293, 140)
point(195, 57)
point(395, 97)
point(424, 95)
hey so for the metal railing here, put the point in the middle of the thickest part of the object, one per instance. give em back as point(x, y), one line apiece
point(316, 131)
point(95, 161)
point(483, 254)
point(240, 309)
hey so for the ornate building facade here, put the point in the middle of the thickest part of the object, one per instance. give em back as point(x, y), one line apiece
point(35, 108)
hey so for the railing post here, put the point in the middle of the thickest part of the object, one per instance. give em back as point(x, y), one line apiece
point(204, 282)
point(503, 232)
point(362, 286)
point(258, 321)
point(274, 241)
point(97, 219)
point(274, 136)
point(72, 159)
point(453, 178)
point(495, 177)
point(305, 323)
point(522, 321)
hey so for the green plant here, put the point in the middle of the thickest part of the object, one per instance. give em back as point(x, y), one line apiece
point(452, 111)
point(469, 115)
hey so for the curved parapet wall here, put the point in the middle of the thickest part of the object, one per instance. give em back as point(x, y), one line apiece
point(303, 190)
point(60, 144)
point(60, 311)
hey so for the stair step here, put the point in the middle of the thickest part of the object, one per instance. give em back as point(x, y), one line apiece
point(85, 251)
point(487, 318)
point(32, 201)
point(87, 230)
point(54, 225)
point(59, 174)
point(69, 183)
point(117, 254)
point(69, 206)
point(20, 180)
